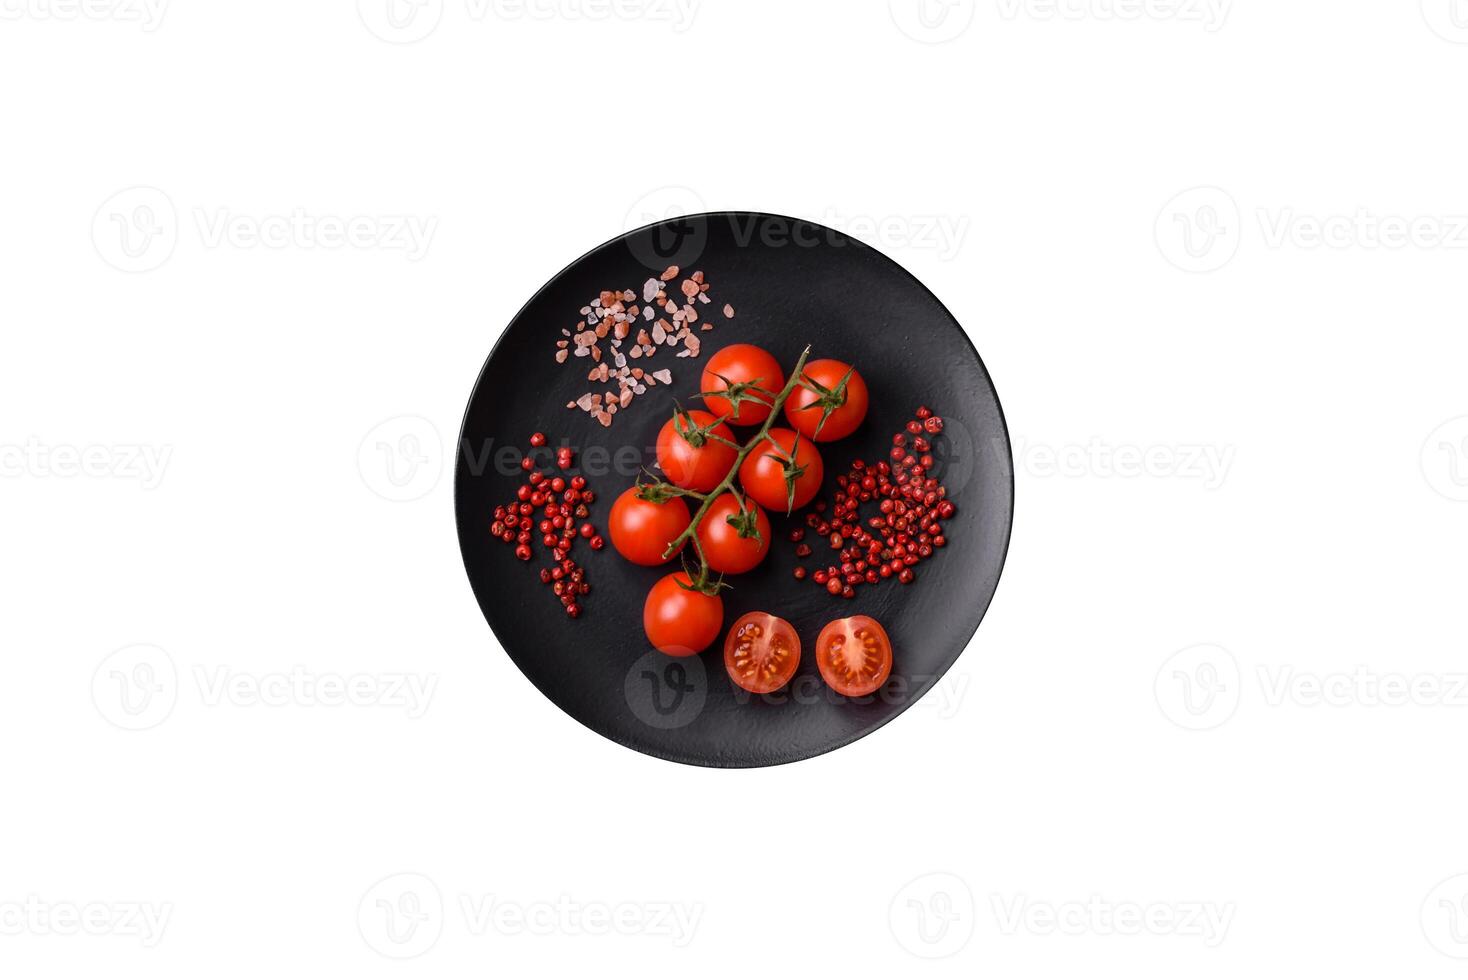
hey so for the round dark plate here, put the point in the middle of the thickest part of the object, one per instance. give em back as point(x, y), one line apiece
point(792, 283)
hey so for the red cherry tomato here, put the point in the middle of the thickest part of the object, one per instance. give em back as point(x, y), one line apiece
point(854, 655)
point(763, 472)
point(680, 621)
point(761, 652)
point(746, 367)
point(722, 544)
point(847, 404)
point(698, 467)
point(641, 529)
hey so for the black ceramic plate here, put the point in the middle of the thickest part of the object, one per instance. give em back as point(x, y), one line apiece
point(792, 283)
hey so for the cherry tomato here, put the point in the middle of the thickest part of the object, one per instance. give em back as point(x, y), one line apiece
point(761, 652)
point(763, 472)
point(679, 621)
point(847, 404)
point(698, 467)
point(641, 529)
point(854, 655)
point(722, 544)
point(746, 367)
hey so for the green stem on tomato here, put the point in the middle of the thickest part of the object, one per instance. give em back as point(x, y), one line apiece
point(728, 481)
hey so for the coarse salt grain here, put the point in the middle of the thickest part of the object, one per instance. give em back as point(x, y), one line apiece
point(610, 317)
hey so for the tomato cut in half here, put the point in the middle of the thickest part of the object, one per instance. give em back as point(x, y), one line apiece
point(761, 652)
point(854, 655)
point(679, 620)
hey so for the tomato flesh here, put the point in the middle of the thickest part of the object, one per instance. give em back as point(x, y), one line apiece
point(761, 652)
point(854, 655)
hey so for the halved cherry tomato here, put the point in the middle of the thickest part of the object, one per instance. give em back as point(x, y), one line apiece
point(678, 620)
point(854, 655)
point(761, 652)
point(763, 472)
point(752, 373)
point(836, 410)
point(641, 530)
point(734, 539)
point(688, 454)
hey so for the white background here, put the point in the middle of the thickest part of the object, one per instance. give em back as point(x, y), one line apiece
point(1225, 691)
